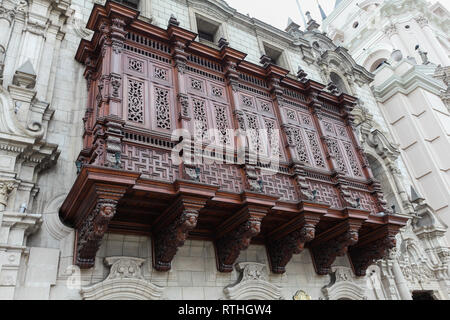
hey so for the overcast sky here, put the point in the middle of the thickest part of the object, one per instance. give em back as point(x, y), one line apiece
point(277, 12)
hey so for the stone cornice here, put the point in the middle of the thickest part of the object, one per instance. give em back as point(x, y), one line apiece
point(406, 83)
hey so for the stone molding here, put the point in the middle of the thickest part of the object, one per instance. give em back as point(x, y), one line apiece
point(253, 284)
point(406, 83)
point(124, 282)
point(342, 286)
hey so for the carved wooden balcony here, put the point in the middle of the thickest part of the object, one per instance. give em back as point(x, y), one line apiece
point(144, 82)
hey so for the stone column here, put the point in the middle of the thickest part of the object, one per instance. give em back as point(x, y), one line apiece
point(433, 42)
point(14, 229)
point(6, 21)
point(400, 281)
point(395, 173)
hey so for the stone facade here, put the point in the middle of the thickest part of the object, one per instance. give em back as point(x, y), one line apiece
point(410, 88)
point(43, 99)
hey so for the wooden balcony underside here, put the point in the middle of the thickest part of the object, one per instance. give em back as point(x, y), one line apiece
point(148, 207)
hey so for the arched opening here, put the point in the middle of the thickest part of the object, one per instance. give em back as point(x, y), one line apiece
point(377, 64)
point(423, 295)
point(380, 174)
point(337, 80)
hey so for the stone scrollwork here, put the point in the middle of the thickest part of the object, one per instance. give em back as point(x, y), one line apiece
point(124, 282)
point(342, 286)
point(253, 284)
point(6, 187)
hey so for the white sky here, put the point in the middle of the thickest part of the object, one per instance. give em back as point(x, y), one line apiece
point(277, 12)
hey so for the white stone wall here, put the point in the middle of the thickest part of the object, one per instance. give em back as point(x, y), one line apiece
point(244, 41)
point(163, 9)
point(193, 276)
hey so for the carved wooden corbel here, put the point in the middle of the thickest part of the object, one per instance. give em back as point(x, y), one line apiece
point(280, 251)
point(333, 243)
point(236, 235)
point(92, 227)
point(172, 229)
point(91, 232)
point(372, 248)
point(291, 238)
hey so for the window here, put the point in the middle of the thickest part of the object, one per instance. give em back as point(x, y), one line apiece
point(276, 55)
point(208, 30)
point(338, 82)
point(130, 3)
point(423, 295)
point(377, 64)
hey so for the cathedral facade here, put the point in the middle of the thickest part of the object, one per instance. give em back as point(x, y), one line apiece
point(182, 150)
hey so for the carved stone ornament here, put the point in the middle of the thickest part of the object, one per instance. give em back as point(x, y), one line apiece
point(390, 30)
point(342, 286)
point(301, 295)
point(6, 187)
point(124, 282)
point(421, 21)
point(253, 284)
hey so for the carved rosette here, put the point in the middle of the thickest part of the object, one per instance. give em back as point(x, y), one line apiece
point(326, 252)
point(362, 257)
point(230, 246)
point(91, 232)
point(169, 239)
point(280, 251)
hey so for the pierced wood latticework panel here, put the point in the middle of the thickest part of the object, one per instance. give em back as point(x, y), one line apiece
point(136, 176)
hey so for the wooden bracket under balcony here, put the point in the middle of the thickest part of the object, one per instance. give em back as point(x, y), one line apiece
point(89, 208)
point(172, 228)
point(236, 233)
point(374, 245)
point(336, 240)
point(290, 238)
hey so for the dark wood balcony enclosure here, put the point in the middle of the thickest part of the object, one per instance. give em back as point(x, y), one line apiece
point(144, 82)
